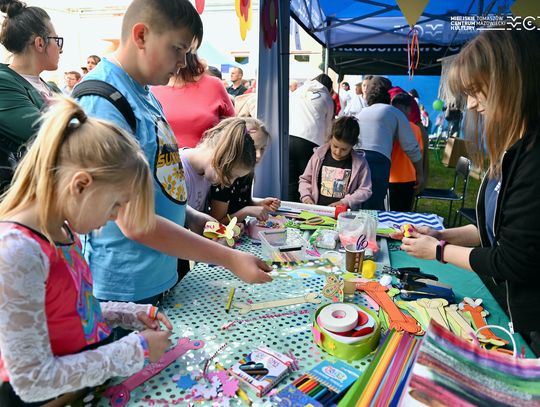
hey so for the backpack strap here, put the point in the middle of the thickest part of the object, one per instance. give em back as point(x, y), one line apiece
point(109, 92)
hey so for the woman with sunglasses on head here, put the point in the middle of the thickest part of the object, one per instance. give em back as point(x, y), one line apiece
point(28, 34)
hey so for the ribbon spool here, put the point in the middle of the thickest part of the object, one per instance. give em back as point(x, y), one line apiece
point(338, 317)
point(343, 347)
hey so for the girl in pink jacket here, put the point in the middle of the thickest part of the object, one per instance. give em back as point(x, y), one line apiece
point(336, 174)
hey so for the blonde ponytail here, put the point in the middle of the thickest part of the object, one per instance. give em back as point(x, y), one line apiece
point(68, 141)
point(233, 148)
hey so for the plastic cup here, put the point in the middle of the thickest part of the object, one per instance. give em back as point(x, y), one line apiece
point(354, 258)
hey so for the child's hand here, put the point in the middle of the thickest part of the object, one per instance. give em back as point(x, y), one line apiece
point(420, 245)
point(271, 204)
point(259, 212)
point(250, 269)
point(154, 323)
point(195, 220)
point(158, 342)
point(308, 200)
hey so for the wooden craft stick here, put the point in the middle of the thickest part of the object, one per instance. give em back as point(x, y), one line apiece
point(435, 309)
point(478, 315)
point(397, 319)
point(459, 325)
point(419, 313)
point(245, 308)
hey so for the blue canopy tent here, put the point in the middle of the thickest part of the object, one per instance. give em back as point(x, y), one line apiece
point(370, 37)
point(360, 37)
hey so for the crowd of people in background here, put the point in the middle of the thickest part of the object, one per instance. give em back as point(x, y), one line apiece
point(189, 158)
point(389, 134)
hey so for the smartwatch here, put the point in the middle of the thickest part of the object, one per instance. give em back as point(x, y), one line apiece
point(439, 251)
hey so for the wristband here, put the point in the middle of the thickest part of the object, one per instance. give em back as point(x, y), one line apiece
point(144, 345)
point(439, 251)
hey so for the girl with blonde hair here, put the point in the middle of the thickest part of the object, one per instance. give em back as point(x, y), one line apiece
point(236, 199)
point(498, 72)
point(225, 153)
point(78, 174)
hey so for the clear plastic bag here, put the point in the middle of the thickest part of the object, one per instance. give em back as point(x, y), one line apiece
point(352, 225)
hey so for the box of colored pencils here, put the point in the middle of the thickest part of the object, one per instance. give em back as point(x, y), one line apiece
point(321, 386)
point(262, 369)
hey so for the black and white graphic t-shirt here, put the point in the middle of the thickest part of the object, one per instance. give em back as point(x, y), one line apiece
point(333, 179)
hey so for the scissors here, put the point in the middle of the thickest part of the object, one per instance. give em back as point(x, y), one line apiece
point(361, 242)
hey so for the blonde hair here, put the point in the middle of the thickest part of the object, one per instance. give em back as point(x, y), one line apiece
point(233, 148)
point(503, 66)
point(68, 141)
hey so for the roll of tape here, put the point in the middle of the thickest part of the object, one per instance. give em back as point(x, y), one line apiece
point(339, 317)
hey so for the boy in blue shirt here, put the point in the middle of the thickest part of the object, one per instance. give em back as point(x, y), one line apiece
point(156, 36)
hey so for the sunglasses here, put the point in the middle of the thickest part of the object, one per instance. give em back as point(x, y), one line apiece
point(59, 41)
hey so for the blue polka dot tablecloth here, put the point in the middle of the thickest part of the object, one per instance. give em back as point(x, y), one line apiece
point(196, 308)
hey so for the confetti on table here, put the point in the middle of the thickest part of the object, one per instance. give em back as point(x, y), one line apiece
point(185, 382)
point(209, 392)
point(223, 402)
point(229, 387)
point(178, 305)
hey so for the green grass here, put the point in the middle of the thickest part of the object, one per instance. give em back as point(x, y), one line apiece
point(442, 177)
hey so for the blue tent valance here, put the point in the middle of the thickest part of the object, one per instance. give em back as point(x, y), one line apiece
point(370, 36)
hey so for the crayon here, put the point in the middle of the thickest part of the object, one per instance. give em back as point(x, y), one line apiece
point(321, 394)
point(308, 386)
point(230, 300)
point(300, 380)
point(315, 390)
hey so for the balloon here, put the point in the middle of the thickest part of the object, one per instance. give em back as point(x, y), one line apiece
point(438, 104)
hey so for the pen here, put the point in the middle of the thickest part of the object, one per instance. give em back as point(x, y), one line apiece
point(230, 300)
point(240, 393)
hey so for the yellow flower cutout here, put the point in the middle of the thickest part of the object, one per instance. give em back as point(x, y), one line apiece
point(244, 14)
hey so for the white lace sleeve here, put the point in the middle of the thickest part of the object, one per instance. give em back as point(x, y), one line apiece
point(124, 314)
point(34, 372)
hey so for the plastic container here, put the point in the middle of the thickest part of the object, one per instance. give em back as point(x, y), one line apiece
point(283, 244)
point(350, 225)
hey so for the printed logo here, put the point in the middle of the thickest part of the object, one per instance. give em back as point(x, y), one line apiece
point(168, 169)
point(334, 373)
point(494, 22)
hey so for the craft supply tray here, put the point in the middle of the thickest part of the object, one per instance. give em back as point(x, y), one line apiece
point(280, 244)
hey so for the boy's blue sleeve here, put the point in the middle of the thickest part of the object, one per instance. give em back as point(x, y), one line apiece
point(101, 108)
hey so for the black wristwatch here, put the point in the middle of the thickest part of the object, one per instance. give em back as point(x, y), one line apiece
point(439, 251)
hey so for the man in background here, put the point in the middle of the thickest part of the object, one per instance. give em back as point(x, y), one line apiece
point(236, 88)
point(71, 78)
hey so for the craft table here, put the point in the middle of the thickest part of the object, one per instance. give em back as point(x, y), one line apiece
point(196, 309)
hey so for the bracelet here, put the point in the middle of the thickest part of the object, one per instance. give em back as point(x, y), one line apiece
point(144, 345)
point(439, 251)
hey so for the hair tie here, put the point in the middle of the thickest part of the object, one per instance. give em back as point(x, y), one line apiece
point(80, 116)
point(12, 9)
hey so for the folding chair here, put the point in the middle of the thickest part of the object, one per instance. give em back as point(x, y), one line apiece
point(463, 168)
point(467, 213)
point(438, 141)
